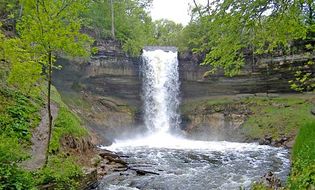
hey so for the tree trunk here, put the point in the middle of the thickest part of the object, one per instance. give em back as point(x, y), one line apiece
point(113, 21)
point(198, 8)
point(48, 105)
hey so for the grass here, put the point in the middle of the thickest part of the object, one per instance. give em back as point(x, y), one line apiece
point(272, 116)
point(276, 116)
point(66, 123)
point(303, 159)
point(194, 105)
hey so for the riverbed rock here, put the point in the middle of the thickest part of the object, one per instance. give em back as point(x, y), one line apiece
point(267, 140)
point(89, 179)
point(271, 181)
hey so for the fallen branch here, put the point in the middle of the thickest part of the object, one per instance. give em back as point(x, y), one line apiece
point(142, 172)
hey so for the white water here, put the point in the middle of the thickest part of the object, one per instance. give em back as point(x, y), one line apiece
point(184, 163)
point(160, 90)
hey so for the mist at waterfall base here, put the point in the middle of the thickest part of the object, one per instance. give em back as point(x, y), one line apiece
point(182, 163)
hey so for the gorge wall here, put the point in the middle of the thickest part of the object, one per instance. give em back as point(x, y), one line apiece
point(112, 72)
point(110, 86)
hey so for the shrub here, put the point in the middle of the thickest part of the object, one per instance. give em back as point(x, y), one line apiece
point(11, 175)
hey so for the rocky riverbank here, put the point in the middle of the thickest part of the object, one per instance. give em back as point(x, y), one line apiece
point(272, 119)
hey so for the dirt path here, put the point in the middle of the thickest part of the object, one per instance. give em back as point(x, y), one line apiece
point(39, 140)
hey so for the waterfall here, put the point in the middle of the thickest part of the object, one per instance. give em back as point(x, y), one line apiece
point(179, 162)
point(160, 89)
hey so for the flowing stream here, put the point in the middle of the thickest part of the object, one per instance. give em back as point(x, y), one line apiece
point(179, 163)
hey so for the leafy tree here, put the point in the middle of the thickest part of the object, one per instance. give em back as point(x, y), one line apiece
point(25, 72)
point(166, 32)
point(229, 29)
point(9, 11)
point(50, 28)
point(133, 25)
point(113, 18)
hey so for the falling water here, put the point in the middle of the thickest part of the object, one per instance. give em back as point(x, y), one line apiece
point(161, 89)
point(182, 163)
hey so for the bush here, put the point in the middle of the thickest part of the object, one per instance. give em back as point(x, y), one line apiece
point(18, 114)
point(11, 175)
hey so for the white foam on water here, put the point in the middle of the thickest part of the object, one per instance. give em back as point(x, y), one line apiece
point(169, 141)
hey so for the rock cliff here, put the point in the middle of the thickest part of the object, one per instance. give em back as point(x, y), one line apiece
point(110, 83)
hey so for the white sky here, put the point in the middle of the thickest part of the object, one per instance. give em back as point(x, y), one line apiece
point(175, 10)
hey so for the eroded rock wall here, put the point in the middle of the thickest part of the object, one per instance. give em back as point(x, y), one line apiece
point(111, 74)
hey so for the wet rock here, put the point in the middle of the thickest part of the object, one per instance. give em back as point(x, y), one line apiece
point(95, 161)
point(106, 154)
point(261, 94)
point(273, 95)
point(289, 144)
point(241, 96)
point(267, 140)
point(282, 141)
point(142, 172)
point(271, 181)
point(89, 180)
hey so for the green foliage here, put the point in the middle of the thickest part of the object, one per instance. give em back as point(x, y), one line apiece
point(276, 116)
point(66, 123)
point(133, 25)
point(166, 32)
point(25, 70)
point(303, 167)
point(18, 114)
point(61, 171)
point(224, 32)
point(259, 186)
point(11, 175)
point(9, 11)
point(304, 81)
point(54, 26)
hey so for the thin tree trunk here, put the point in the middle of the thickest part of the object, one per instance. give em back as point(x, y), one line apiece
point(208, 7)
point(48, 105)
point(113, 17)
point(198, 9)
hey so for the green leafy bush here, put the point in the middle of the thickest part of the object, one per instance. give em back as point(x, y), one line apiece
point(18, 114)
point(11, 175)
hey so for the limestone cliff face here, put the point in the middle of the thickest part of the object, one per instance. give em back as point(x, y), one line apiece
point(111, 71)
point(220, 121)
point(112, 75)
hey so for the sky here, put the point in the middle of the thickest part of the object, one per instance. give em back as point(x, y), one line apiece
point(175, 10)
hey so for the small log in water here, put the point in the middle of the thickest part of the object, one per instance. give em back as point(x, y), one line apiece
point(142, 172)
